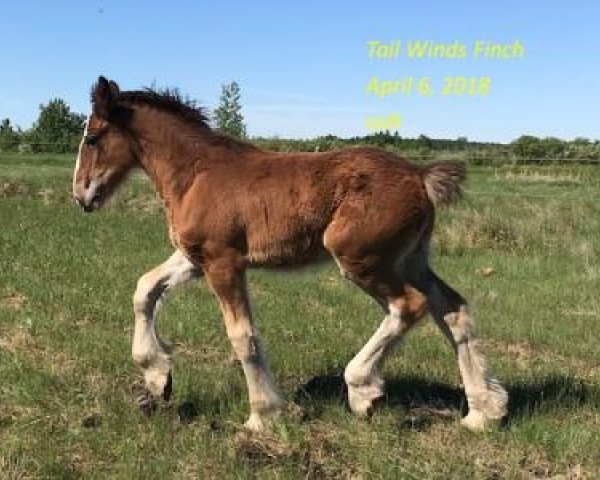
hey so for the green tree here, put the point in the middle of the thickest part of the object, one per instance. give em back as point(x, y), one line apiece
point(527, 146)
point(553, 147)
point(462, 142)
point(9, 138)
point(57, 129)
point(228, 115)
point(425, 142)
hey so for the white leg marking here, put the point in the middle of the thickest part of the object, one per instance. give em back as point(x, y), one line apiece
point(148, 350)
point(486, 398)
point(362, 373)
point(265, 401)
point(78, 161)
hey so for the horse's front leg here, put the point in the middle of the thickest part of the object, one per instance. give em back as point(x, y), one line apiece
point(148, 350)
point(227, 279)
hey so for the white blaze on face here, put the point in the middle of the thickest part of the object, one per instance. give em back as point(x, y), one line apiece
point(78, 161)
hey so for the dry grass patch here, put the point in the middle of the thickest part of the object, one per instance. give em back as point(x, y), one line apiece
point(489, 458)
point(48, 195)
point(20, 341)
point(189, 467)
point(15, 469)
point(144, 203)
point(80, 461)
point(580, 312)
point(521, 351)
point(15, 340)
point(537, 176)
point(319, 453)
point(13, 301)
point(20, 189)
point(200, 353)
point(323, 456)
point(524, 353)
point(13, 413)
point(12, 188)
point(519, 226)
point(262, 448)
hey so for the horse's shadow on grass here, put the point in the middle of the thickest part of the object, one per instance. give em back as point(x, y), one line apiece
point(425, 400)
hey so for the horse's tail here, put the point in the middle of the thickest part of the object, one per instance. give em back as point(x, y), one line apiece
point(442, 181)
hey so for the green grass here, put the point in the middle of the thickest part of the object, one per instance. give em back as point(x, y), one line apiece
point(66, 281)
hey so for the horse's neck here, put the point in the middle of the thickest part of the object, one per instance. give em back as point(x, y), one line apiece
point(170, 156)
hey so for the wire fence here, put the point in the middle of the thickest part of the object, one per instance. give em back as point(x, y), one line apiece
point(545, 196)
point(593, 194)
point(466, 156)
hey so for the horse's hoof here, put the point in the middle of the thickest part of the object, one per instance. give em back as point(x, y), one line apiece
point(146, 404)
point(168, 390)
point(363, 400)
point(477, 421)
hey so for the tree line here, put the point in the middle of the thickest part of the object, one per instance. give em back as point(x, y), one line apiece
point(525, 149)
point(59, 130)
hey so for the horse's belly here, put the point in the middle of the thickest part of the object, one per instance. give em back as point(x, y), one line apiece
point(282, 251)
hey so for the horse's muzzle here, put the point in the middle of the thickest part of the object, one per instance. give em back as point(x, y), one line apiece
point(86, 208)
point(89, 196)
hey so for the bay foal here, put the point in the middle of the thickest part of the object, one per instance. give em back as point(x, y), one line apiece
point(230, 206)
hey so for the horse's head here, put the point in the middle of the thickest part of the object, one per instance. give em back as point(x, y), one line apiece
point(107, 149)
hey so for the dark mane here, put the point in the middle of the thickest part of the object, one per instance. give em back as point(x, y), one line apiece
point(169, 100)
point(173, 102)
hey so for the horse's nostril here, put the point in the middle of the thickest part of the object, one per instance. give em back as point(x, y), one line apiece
point(86, 183)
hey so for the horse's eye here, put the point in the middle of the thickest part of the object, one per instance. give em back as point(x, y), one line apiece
point(91, 139)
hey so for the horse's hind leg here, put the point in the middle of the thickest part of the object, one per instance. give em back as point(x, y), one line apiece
point(485, 396)
point(148, 350)
point(403, 307)
point(365, 384)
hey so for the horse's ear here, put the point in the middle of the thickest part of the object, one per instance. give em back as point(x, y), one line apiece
point(104, 97)
point(114, 89)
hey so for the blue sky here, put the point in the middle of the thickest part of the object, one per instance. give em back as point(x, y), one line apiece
point(304, 66)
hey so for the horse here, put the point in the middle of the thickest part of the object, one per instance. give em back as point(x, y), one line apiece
point(231, 206)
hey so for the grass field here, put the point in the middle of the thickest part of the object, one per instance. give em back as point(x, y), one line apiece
point(523, 247)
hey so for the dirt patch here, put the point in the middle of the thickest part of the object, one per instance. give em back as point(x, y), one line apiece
point(524, 353)
point(261, 448)
point(204, 352)
point(79, 461)
point(96, 383)
point(13, 301)
point(48, 195)
point(11, 413)
point(144, 203)
point(485, 271)
point(19, 340)
point(520, 351)
point(15, 340)
point(536, 465)
point(11, 188)
point(331, 281)
point(319, 453)
point(580, 313)
point(323, 459)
